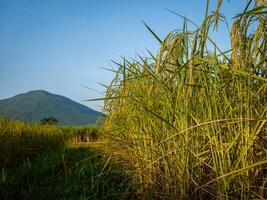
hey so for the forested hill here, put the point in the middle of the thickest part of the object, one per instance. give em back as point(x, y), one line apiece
point(35, 105)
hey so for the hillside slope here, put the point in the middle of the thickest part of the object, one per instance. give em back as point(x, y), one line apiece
point(36, 105)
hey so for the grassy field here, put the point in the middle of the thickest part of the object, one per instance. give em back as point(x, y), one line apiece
point(57, 162)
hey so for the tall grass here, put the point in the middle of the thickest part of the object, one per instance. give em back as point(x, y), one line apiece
point(190, 122)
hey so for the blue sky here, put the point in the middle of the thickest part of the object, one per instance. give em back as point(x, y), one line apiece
point(60, 45)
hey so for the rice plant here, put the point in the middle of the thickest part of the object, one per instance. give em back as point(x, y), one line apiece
point(190, 122)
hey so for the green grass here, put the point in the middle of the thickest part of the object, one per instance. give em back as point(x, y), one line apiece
point(65, 174)
point(19, 141)
point(53, 162)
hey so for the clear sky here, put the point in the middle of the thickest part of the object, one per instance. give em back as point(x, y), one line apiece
point(60, 45)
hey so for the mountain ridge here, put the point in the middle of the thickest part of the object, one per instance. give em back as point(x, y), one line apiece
point(35, 105)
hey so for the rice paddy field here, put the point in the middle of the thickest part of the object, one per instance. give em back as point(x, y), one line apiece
point(57, 162)
point(187, 123)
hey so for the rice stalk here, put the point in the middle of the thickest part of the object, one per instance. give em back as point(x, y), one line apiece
point(190, 123)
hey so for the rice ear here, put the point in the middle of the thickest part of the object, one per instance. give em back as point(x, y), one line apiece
point(235, 45)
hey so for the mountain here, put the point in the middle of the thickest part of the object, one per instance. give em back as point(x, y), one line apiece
point(35, 105)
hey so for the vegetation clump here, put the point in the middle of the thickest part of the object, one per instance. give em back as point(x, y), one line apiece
point(191, 122)
point(49, 121)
